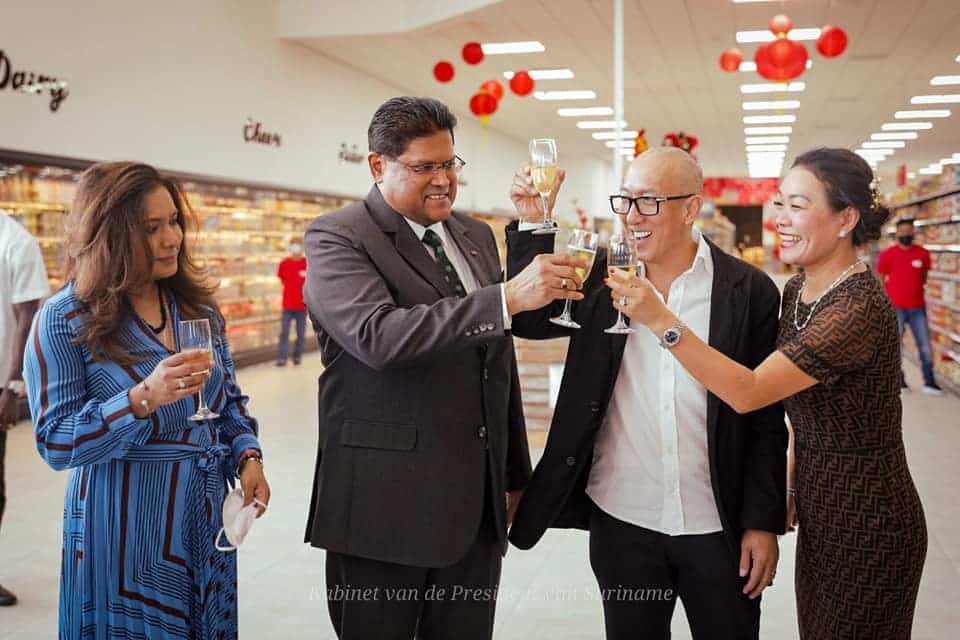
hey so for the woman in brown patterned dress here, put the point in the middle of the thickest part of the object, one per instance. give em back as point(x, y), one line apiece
point(862, 535)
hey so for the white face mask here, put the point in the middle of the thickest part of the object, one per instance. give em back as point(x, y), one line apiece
point(296, 249)
point(237, 519)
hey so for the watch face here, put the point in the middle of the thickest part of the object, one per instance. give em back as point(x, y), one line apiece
point(671, 336)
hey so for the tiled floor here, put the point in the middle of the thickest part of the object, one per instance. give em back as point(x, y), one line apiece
point(547, 592)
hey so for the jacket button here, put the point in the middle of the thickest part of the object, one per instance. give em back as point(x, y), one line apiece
point(571, 461)
point(481, 432)
point(486, 373)
point(594, 406)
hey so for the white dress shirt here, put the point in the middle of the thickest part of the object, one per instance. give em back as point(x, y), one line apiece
point(651, 466)
point(460, 264)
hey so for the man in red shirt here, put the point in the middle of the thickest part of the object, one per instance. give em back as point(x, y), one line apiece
point(292, 273)
point(904, 267)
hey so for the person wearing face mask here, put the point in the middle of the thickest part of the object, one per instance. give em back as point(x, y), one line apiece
point(862, 533)
point(112, 399)
point(292, 273)
point(682, 496)
point(904, 268)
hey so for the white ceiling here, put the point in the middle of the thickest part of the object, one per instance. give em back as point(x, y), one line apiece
point(673, 81)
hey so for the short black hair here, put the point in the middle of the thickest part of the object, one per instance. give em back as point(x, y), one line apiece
point(398, 121)
point(908, 221)
point(849, 182)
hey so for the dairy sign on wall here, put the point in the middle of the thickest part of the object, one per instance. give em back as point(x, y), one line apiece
point(15, 78)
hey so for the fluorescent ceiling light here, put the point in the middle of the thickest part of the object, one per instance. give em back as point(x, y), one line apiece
point(911, 175)
point(769, 119)
point(767, 36)
point(768, 140)
point(626, 152)
point(930, 171)
point(892, 144)
point(903, 135)
point(764, 131)
point(577, 112)
point(750, 65)
point(873, 153)
point(766, 156)
point(940, 80)
point(544, 74)
point(612, 135)
point(773, 87)
point(946, 161)
point(769, 172)
point(775, 104)
point(923, 113)
point(907, 126)
point(565, 95)
point(498, 48)
point(600, 124)
point(936, 99)
point(620, 144)
point(753, 148)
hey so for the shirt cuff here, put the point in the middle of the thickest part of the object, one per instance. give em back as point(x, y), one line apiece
point(507, 320)
point(527, 226)
point(118, 416)
point(241, 443)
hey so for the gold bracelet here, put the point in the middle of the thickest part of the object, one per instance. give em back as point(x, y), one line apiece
point(246, 459)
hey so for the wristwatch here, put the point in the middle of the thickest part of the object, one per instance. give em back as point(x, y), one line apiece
point(17, 387)
point(672, 336)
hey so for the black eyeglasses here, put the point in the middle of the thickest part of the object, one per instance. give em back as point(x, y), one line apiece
point(646, 205)
point(432, 168)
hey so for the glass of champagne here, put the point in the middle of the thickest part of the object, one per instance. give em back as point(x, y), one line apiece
point(581, 244)
point(621, 257)
point(543, 170)
point(196, 334)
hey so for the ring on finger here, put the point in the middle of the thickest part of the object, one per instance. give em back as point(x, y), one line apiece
point(563, 283)
point(181, 384)
point(623, 301)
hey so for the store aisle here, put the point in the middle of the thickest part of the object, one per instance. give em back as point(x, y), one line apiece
point(548, 592)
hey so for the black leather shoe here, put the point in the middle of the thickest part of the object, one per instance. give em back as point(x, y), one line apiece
point(7, 599)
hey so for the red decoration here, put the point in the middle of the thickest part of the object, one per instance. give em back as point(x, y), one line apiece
point(493, 87)
point(521, 83)
point(780, 60)
point(780, 24)
point(902, 175)
point(472, 53)
point(832, 41)
point(681, 141)
point(730, 59)
point(443, 71)
point(483, 104)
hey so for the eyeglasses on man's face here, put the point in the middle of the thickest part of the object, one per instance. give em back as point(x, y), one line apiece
point(454, 165)
point(645, 205)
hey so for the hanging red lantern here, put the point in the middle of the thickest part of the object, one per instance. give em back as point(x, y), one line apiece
point(472, 53)
point(730, 59)
point(443, 71)
point(493, 87)
point(521, 83)
point(832, 41)
point(792, 57)
point(780, 25)
point(482, 104)
point(784, 52)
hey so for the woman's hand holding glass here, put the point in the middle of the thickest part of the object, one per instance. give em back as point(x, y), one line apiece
point(636, 298)
point(173, 379)
point(527, 200)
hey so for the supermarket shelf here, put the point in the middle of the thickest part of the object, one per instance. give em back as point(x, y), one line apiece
point(242, 322)
point(33, 206)
point(944, 303)
point(952, 248)
point(945, 384)
point(944, 276)
point(927, 198)
point(946, 332)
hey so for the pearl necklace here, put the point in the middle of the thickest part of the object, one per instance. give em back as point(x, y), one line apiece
point(813, 306)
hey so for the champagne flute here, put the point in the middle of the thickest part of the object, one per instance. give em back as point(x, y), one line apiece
point(581, 244)
point(543, 170)
point(196, 334)
point(620, 256)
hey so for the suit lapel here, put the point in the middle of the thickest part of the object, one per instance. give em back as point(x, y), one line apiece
point(406, 241)
point(471, 252)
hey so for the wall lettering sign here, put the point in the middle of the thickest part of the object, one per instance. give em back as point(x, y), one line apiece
point(27, 81)
point(350, 155)
point(253, 131)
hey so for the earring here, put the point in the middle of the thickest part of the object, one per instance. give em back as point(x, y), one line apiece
point(842, 234)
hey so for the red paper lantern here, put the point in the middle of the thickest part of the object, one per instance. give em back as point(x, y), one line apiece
point(443, 71)
point(780, 24)
point(730, 59)
point(832, 41)
point(521, 83)
point(482, 104)
point(493, 87)
point(792, 56)
point(472, 53)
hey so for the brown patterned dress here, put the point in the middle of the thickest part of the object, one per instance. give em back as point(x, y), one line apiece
point(862, 535)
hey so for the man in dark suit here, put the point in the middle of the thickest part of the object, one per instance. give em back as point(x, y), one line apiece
point(682, 496)
point(422, 448)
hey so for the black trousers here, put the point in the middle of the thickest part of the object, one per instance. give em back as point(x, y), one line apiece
point(641, 573)
point(3, 472)
point(374, 600)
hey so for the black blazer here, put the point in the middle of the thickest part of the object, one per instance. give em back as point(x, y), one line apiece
point(747, 452)
point(419, 402)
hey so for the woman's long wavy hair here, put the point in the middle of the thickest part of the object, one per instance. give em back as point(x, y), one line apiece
point(109, 255)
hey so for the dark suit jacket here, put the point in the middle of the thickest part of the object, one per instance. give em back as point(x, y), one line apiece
point(420, 414)
point(747, 452)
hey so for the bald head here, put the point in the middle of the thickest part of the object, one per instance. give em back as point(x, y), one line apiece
point(666, 171)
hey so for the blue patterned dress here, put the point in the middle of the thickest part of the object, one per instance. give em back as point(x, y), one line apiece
point(143, 503)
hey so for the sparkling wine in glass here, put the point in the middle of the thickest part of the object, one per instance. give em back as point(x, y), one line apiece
point(543, 170)
point(620, 256)
point(196, 334)
point(581, 244)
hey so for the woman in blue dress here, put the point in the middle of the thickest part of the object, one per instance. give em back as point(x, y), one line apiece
point(111, 399)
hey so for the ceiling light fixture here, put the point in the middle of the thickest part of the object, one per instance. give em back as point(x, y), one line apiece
point(906, 126)
point(620, 144)
point(565, 95)
point(768, 140)
point(775, 104)
point(922, 113)
point(773, 87)
point(499, 48)
point(936, 99)
point(577, 112)
point(767, 36)
point(942, 80)
point(751, 66)
point(755, 148)
point(903, 135)
point(765, 131)
point(892, 144)
point(769, 119)
point(544, 74)
point(600, 124)
point(612, 135)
